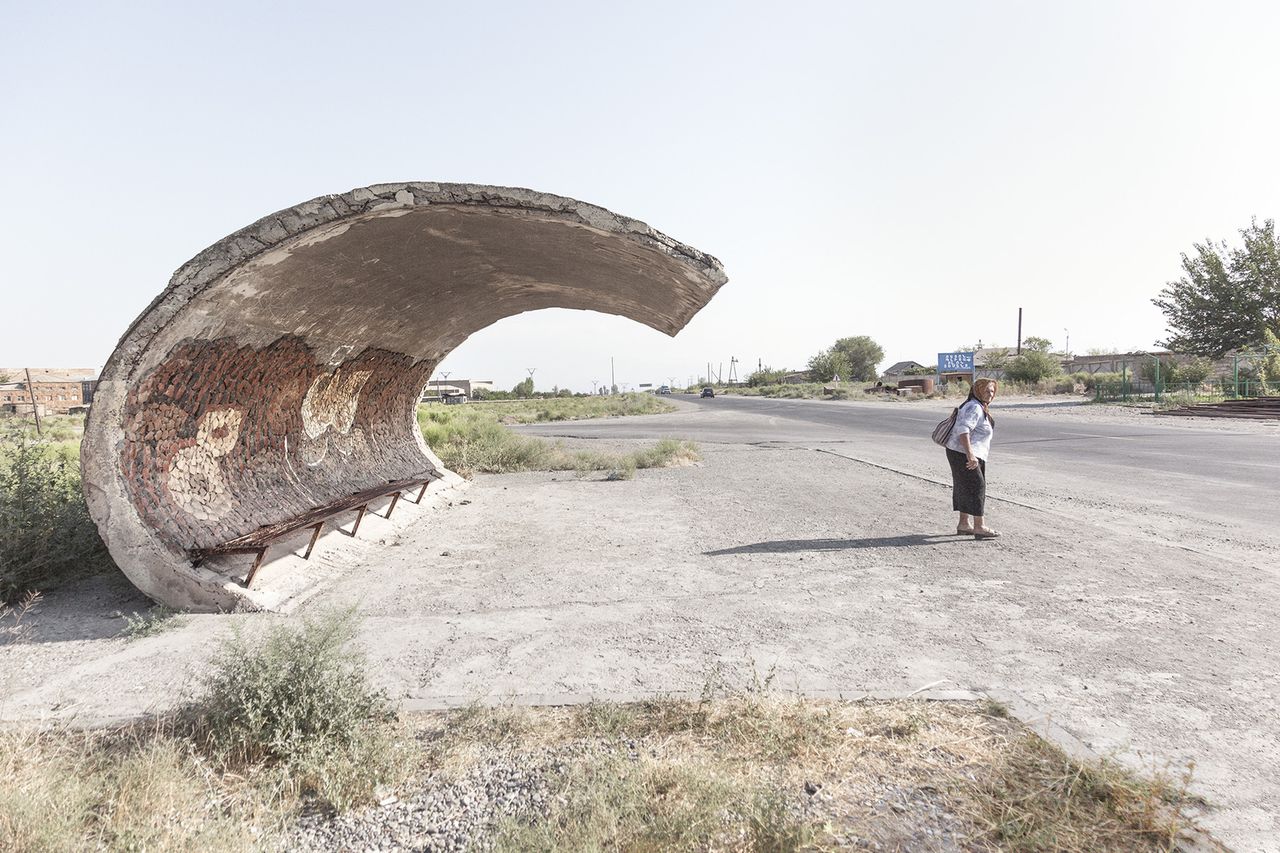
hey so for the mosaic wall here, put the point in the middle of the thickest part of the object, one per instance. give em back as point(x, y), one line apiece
point(221, 439)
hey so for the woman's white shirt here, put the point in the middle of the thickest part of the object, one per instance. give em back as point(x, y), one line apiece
point(973, 420)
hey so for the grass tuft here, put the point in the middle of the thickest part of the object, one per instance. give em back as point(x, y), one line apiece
point(299, 699)
point(155, 621)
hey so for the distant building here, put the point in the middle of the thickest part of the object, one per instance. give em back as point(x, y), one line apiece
point(445, 387)
point(895, 373)
point(1116, 362)
point(56, 391)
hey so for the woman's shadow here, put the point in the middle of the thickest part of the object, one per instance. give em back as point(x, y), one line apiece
point(783, 546)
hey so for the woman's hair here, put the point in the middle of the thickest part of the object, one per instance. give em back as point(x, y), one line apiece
point(973, 396)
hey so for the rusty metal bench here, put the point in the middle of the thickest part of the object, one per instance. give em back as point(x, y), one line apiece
point(261, 539)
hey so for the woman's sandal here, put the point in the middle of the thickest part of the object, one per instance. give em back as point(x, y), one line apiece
point(964, 531)
point(986, 534)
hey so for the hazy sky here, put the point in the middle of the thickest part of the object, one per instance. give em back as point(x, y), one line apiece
point(910, 171)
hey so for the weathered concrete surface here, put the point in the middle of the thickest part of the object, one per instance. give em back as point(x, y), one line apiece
point(280, 368)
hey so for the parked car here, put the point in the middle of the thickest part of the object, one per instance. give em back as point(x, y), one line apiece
point(708, 392)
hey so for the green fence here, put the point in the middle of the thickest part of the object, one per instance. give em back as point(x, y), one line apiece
point(1190, 392)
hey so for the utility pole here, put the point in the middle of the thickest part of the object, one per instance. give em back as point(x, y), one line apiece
point(733, 370)
point(445, 374)
point(1019, 352)
point(35, 407)
point(613, 380)
point(1068, 331)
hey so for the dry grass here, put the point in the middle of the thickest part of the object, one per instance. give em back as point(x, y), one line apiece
point(126, 789)
point(756, 772)
point(475, 439)
point(286, 722)
point(736, 772)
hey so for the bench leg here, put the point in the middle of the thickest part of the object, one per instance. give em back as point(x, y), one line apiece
point(392, 508)
point(257, 564)
point(421, 492)
point(359, 517)
point(315, 534)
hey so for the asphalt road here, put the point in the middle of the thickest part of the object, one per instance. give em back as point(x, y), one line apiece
point(1204, 485)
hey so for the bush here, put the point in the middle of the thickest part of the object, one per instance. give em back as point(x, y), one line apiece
point(1093, 380)
point(1032, 366)
point(299, 698)
point(1192, 371)
point(766, 376)
point(46, 535)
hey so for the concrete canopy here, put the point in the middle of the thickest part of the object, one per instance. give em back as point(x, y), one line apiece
point(280, 369)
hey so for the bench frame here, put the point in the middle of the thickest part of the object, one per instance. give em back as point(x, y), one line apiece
point(261, 539)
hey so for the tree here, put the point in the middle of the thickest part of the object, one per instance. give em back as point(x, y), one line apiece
point(1032, 366)
point(864, 356)
point(1177, 371)
point(1031, 342)
point(829, 364)
point(1227, 297)
point(849, 358)
point(1271, 363)
point(997, 359)
point(765, 376)
point(524, 388)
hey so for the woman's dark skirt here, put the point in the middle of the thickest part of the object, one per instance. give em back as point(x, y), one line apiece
point(969, 488)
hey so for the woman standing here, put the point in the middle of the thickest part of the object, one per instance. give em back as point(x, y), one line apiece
point(967, 449)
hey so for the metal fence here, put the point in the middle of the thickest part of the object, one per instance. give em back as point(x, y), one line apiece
point(1214, 391)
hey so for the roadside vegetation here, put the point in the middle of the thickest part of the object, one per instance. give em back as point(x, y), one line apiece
point(285, 723)
point(46, 535)
point(287, 726)
point(474, 438)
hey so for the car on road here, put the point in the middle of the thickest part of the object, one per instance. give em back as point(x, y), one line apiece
point(708, 392)
point(664, 389)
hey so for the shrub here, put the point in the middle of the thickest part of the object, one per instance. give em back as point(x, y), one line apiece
point(1192, 371)
point(46, 535)
point(1062, 385)
point(1093, 380)
point(1032, 366)
point(299, 698)
point(766, 376)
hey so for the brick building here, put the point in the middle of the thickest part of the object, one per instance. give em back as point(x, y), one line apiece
point(56, 391)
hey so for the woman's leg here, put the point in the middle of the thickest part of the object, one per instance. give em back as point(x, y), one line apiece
point(979, 521)
point(962, 489)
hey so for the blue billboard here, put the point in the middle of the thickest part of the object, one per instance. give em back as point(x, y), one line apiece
point(955, 362)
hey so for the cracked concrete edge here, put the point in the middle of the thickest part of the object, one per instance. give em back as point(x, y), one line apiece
point(270, 231)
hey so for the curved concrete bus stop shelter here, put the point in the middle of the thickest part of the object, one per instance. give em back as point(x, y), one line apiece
point(274, 382)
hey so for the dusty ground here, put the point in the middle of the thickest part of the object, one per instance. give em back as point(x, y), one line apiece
point(841, 575)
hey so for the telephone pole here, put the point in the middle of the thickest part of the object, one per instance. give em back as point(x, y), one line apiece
point(35, 407)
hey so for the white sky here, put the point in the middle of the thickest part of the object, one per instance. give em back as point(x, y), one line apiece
point(910, 171)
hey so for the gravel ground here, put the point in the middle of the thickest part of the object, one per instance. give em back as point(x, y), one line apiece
point(443, 813)
point(462, 811)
